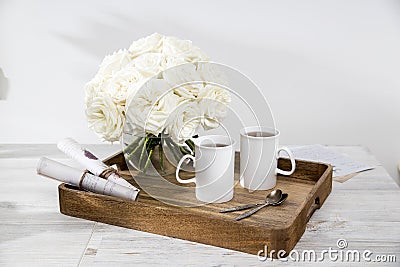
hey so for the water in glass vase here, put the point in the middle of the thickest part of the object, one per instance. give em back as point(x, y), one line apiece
point(156, 155)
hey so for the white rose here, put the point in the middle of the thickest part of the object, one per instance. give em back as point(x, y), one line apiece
point(149, 121)
point(181, 74)
point(149, 44)
point(92, 87)
point(105, 117)
point(213, 103)
point(135, 120)
point(197, 55)
point(149, 64)
point(156, 120)
point(210, 72)
point(151, 105)
point(172, 61)
point(168, 102)
point(123, 83)
point(212, 113)
point(215, 92)
point(184, 121)
point(113, 63)
point(184, 74)
point(173, 46)
point(191, 122)
point(149, 93)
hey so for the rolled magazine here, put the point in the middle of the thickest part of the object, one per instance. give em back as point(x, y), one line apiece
point(83, 179)
point(75, 151)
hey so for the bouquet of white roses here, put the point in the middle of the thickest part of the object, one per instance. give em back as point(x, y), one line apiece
point(160, 85)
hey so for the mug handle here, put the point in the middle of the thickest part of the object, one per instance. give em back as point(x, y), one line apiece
point(192, 180)
point(292, 161)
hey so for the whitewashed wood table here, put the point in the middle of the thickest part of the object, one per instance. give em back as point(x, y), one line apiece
point(365, 211)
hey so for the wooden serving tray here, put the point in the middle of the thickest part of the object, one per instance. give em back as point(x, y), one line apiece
point(280, 227)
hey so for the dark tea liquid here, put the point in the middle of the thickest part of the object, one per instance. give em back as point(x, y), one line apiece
point(260, 134)
point(214, 145)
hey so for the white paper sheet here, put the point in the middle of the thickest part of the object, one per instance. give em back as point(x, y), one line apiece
point(342, 165)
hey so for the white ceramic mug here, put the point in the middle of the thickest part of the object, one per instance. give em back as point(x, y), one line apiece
point(214, 168)
point(259, 158)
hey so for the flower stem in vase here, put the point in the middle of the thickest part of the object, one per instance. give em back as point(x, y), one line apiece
point(161, 155)
point(168, 141)
point(143, 150)
point(146, 165)
point(184, 150)
point(190, 144)
point(140, 143)
point(132, 146)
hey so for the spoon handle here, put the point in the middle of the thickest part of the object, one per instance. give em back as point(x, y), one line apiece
point(250, 212)
point(243, 207)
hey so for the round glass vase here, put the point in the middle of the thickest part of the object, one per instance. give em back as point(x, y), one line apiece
point(156, 155)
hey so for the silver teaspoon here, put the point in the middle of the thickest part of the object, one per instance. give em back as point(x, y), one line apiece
point(251, 212)
point(276, 194)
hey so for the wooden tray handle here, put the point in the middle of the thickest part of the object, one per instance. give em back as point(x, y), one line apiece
point(314, 206)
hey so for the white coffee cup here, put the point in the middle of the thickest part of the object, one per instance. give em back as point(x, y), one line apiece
point(214, 168)
point(259, 158)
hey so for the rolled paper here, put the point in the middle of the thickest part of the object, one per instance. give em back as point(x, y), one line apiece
point(75, 151)
point(63, 173)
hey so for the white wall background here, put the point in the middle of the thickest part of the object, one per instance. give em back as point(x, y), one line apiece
point(330, 69)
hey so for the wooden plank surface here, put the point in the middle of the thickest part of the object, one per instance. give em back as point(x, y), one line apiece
point(33, 233)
